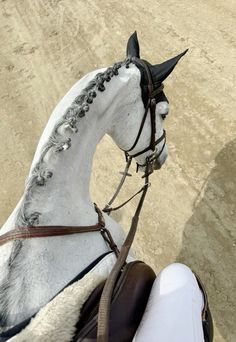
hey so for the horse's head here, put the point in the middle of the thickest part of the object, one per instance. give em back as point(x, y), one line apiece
point(139, 131)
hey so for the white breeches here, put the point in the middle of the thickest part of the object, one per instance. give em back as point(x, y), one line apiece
point(174, 308)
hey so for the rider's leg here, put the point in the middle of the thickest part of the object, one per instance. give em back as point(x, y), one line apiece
point(174, 308)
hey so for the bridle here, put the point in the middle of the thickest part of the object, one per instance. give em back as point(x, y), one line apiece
point(150, 160)
point(151, 105)
point(46, 231)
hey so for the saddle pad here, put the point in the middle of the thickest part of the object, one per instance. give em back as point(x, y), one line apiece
point(56, 321)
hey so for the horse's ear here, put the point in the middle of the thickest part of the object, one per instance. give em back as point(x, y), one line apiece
point(161, 71)
point(132, 49)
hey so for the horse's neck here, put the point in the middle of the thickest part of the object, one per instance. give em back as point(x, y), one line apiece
point(64, 200)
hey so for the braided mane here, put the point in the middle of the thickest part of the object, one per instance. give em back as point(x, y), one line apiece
point(58, 143)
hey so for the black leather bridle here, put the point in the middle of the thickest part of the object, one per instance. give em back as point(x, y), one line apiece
point(151, 159)
point(151, 105)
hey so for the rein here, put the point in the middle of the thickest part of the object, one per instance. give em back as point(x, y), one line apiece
point(104, 304)
point(105, 301)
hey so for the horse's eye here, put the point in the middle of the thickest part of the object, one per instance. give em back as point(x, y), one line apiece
point(163, 116)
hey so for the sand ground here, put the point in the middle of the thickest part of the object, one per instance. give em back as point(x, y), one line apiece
point(190, 212)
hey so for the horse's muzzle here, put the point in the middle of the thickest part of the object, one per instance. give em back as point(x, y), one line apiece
point(157, 164)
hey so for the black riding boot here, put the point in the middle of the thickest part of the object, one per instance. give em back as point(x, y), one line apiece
point(207, 322)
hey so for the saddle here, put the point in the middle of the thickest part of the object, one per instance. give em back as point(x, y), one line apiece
point(128, 303)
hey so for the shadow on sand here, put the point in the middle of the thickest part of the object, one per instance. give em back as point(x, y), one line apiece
point(209, 240)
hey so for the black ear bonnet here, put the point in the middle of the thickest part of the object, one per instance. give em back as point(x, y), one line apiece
point(159, 72)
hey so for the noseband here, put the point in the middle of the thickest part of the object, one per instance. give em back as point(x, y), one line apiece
point(151, 105)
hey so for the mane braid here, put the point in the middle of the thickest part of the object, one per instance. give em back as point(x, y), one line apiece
point(58, 143)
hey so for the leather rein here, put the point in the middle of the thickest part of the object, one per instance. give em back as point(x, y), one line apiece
point(104, 305)
point(46, 231)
